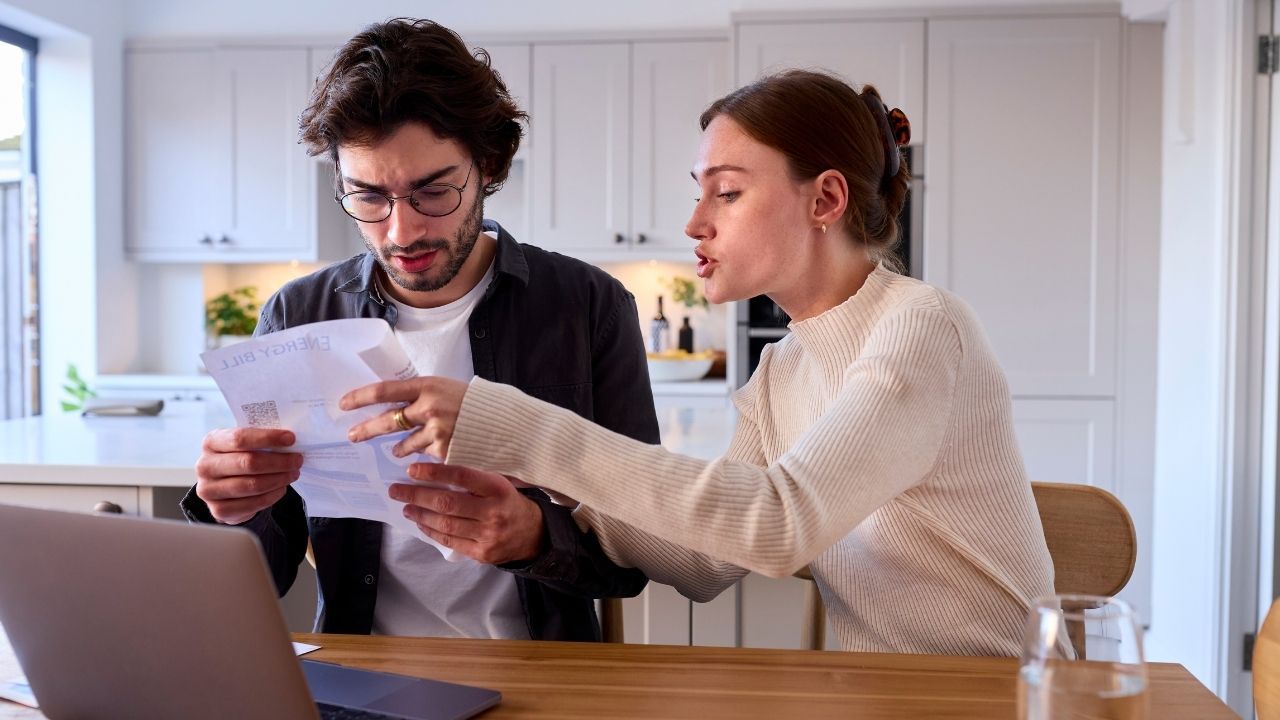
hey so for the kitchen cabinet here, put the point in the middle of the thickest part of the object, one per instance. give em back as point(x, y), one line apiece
point(77, 498)
point(889, 54)
point(511, 205)
point(1070, 440)
point(215, 173)
point(614, 135)
point(1024, 224)
point(1027, 142)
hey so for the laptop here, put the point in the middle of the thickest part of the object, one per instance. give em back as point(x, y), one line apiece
point(114, 616)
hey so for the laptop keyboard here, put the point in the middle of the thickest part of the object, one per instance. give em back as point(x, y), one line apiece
point(337, 712)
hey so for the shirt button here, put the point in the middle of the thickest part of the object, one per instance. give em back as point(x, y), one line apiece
point(368, 579)
point(479, 333)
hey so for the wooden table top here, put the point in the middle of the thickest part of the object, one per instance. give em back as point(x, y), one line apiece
point(584, 680)
point(599, 681)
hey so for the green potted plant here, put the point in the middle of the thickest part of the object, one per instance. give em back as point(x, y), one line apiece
point(685, 292)
point(231, 316)
point(77, 390)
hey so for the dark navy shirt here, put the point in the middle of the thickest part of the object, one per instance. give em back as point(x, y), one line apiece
point(558, 329)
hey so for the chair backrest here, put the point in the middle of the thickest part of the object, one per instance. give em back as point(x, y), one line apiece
point(1266, 666)
point(1090, 538)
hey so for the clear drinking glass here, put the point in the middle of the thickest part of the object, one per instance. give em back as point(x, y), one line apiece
point(1108, 683)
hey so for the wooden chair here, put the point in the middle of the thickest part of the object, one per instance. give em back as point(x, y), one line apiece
point(610, 610)
point(611, 620)
point(1091, 540)
point(1266, 666)
point(813, 630)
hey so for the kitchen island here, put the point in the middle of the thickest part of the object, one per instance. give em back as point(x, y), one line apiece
point(144, 464)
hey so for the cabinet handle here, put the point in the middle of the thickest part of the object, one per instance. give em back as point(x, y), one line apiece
point(206, 240)
point(224, 240)
point(619, 238)
point(106, 506)
point(641, 238)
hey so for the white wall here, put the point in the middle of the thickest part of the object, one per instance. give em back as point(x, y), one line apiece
point(339, 18)
point(78, 126)
point(1200, 446)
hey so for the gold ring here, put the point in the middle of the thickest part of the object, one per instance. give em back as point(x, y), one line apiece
point(401, 421)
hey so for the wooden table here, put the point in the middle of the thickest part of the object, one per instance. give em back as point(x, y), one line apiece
point(576, 680)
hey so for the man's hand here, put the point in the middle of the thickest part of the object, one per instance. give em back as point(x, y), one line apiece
point(236, 476)
point(488, 520)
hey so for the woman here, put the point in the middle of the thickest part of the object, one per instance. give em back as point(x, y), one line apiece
point(875, 441)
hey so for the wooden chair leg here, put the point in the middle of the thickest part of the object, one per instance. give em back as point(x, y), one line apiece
point(814, 630)
point(611, 620)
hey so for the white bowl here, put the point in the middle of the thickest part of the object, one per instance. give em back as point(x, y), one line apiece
point(676, 370)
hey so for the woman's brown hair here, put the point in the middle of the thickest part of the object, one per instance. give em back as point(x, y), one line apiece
point(820, 123)
point(407, 70)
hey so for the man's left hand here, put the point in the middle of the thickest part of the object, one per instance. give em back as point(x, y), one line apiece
point(487, 519)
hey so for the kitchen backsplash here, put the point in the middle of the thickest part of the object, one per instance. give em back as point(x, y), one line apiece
point(172, 322)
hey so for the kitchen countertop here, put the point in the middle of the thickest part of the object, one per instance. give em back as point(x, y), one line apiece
point(66, 449)
point(149, 384)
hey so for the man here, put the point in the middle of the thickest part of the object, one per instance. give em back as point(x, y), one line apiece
point(420, 131)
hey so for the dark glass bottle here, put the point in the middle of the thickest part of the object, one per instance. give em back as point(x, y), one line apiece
point(686, 336)
point(658, 331)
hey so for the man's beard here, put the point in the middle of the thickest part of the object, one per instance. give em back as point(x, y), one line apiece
point(453, 257)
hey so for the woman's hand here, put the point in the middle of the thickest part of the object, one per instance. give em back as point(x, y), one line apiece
point(430, 411)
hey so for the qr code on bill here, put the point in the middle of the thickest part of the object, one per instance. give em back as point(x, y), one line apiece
point(262, 414)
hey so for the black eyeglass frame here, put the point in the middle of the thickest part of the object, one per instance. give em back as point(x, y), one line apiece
point(391, 199)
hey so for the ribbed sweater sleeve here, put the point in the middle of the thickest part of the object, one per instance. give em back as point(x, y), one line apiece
point(695, 575)
point(878, 438)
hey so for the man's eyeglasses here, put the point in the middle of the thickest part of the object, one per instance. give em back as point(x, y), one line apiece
point(433, 200)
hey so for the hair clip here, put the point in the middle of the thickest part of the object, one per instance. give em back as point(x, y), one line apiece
point(900, 126)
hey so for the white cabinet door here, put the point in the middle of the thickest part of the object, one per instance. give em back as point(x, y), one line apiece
point(272, 206)
point(1067, 441)
point(215, 172)
point(672, 83)
point(1021, 192)
point(580, 151)
point(514, 64)
point(889, 55)
point(510, 205)
point(178, 146)
point(318, 59)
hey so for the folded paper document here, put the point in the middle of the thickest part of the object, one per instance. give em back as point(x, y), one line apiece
point(293, 379)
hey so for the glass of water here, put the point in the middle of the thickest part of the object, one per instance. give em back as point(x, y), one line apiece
point(1082, 658)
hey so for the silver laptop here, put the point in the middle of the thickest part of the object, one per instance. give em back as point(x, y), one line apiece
point(114, 617)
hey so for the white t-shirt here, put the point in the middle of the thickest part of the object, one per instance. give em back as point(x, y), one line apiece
point(419, 592)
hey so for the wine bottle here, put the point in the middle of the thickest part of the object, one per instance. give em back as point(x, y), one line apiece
point(685, 342)
point(658, 331)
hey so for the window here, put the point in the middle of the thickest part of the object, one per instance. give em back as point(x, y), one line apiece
point(19, 360)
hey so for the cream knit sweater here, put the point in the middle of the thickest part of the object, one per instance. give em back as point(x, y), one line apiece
point(875, 443)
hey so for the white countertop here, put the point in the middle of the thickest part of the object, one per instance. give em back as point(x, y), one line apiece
point(145, 384)
point(67, 449)
point(61, 448)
